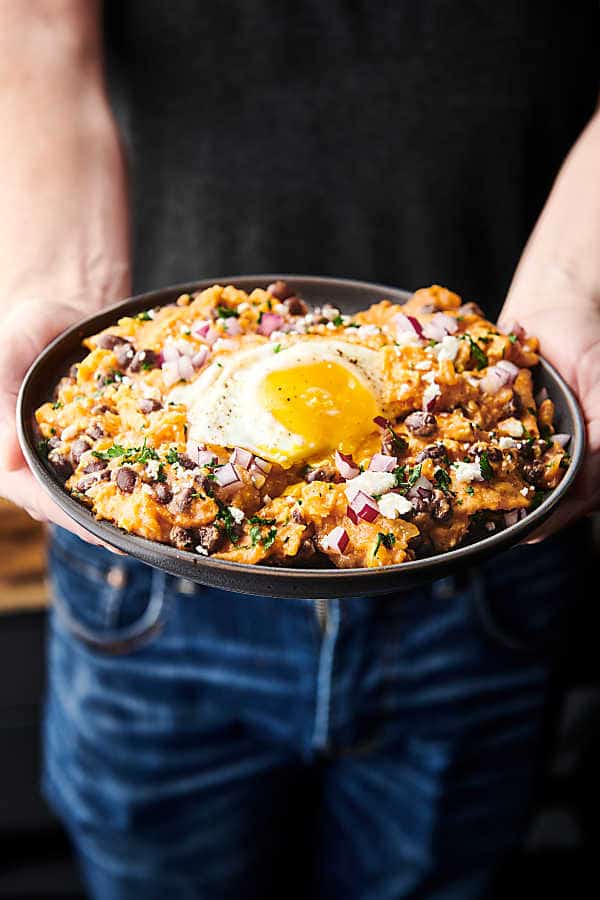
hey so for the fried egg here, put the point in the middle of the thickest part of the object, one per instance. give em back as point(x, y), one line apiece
point(287, 405)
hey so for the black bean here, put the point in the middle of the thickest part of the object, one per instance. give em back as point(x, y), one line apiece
point(54, 442)
point(324, 473)
point(280, 290)
point(96, 465)
point(183, 499)
point(148, 405)
point(494, 454)
point(441, 508)
point(95, 431)
point(433, 451)
point(163, 492)
point(180, 537)
point(126, 479)
point(296, 306)
point(533, 473)
point(88, 480)
point(124, 354)
point(208, 537)
point(109, 341)
point(80, 446)
point(61, 464)
point(143, 359)
point(421, 423)
point(184, 460)
point(73, 371)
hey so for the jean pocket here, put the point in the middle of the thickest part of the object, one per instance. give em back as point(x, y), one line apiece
point(112, 604)
point(523, 598)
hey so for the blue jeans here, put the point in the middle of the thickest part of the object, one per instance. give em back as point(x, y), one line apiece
point(201, 744)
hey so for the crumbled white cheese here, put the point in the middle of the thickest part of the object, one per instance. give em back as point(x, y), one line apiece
point(512, 427)
point(365, 331)
point(393, 505)
point(423, 366)
point(146, 489)
point(371, 483)
point(430, 393)
point(224, 344)
point(279, 308)
point(152, 468)
point(277, 335)
point(69, 432)
point(524, 491)
point(243, 307)
point(150, 392)
point(201, 550)
point(447, 348)
point(507, 443)
point(406, 337)
point(331, 326)
point(467, 472)
point(236, 514)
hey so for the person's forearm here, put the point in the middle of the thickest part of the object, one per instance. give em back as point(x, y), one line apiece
point(561, 263)
point(63, 195)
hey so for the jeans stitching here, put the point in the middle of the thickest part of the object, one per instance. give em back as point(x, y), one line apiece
point(320, 739)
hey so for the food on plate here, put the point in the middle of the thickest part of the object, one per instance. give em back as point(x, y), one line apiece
point(251, 428)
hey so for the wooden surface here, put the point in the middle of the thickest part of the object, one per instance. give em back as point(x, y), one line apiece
point(22, 561)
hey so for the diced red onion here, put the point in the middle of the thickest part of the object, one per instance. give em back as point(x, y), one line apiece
point(497, 377)
point(170, 353)
point(511, 517)
point(346, 465)
point(408, 323)
point(508, 367)
point(232, 326)
point(421, 485)
point(439, 326)
point(226, 475)
point(541, 396)
point(199, 358)
point(364, 506)
point(383, 423)
point(338, 539)
point(430, 395)
point(241, 457)
point(186, 368)
point(193, 448)
point(200, 328)
point(381, 462)
point(211, 336)
point(516, 329)
point(170, 372)
point(561, 439)
point(205, 457)
point(269, 322)
point(186, 348)
point(262, 465)
point(351, 515)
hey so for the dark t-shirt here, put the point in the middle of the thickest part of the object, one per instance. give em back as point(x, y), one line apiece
point(404, 142)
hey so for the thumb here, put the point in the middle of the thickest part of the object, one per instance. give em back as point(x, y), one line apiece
point(27, 329)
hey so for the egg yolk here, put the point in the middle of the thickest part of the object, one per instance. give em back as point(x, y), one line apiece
point(323, 403)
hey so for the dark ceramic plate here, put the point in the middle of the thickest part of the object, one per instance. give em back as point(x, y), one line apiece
point(350, 296)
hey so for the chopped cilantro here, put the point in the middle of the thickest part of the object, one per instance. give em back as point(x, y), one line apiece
point(42, 447)
point(398, 442)
point(432, 343)
point(352, 325)
point(146, 366)
point(57, 405)
point(143, 316)
point(172, 455)
point(160, 473)
point(254, 534)
point(224, 312)
point(130, 454)
point(228, 522)
point(512, 338)
point(415, 474)
point(257, 520)
point(480, 358)
point(442, 479)
point(400, 475)
point(269, 540)
point(470, 490)
point(339, 320)
point(277, 348)
point(387, 539)
point(484, 467)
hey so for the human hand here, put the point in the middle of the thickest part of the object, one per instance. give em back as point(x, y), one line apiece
point(569, 333)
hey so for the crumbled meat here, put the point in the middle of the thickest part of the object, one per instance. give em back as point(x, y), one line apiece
point(80, 446)
point(437, 452)
point(126, 479)
point(148, 405)
point(421, 423)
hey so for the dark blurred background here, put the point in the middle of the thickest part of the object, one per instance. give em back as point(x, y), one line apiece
point(557, 859)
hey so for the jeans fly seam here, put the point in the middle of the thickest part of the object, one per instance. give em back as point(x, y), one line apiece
point(320, 739)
